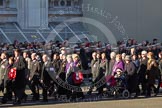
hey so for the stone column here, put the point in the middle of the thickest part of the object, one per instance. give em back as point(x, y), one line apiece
point(32, 14)
point(44, 14)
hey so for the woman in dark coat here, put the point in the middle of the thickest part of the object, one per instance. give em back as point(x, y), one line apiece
point(152, 72)
point(131, 72)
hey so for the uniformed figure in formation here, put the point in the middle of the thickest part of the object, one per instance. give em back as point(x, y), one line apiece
point(59, 72)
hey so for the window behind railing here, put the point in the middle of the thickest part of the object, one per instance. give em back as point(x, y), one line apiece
point(68, 2)
point(63, 3)
point(1, 3)
point(56, 3)
point(8, 4)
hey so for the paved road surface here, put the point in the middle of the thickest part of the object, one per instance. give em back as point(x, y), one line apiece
point(132, 103)
point(96, 102)
point(91, 102)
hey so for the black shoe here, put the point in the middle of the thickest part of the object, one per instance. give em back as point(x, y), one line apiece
point(35, 99)
point(82, 96)
point(17, 102)
point(148, 95)
point(89, 92)
point(136, 96)
point(25, 98)
point(100, 93)
point(143, 93)
point(45, 100)
point(4, 101)
point(155, 94)
point(9, 99)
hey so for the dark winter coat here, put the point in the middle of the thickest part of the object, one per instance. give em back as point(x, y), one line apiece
point(152, 71)
point(95, 68)
point(132, 80)
point(20, 80)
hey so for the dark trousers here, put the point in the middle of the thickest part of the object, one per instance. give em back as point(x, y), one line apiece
point(158, 87)
point(34, 86)
point(19, 91)
point(45, 86)
point(149, 87)
point(7, 92)
point(19, 94)
point(2, 85)
point(143, 82)
point(45, 94)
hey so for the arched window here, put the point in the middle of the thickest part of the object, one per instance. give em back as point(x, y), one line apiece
point(76, 3)
point(62, 3)
point(1, 3)
point(56, 3)
point(68, 2)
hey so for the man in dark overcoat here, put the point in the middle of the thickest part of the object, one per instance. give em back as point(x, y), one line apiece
point(45, 76)
point(20, 80)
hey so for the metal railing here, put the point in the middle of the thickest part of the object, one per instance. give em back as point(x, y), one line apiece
point(5, 36)
point(21, 32)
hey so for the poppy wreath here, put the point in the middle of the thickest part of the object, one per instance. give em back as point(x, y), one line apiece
point(12, 74)
point(77, 77)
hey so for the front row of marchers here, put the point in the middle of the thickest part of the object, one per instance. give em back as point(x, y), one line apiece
point(14, 77)
point(121, 75)
point(17, 72)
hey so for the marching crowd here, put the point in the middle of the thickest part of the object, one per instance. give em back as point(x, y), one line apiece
point(142, 65)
